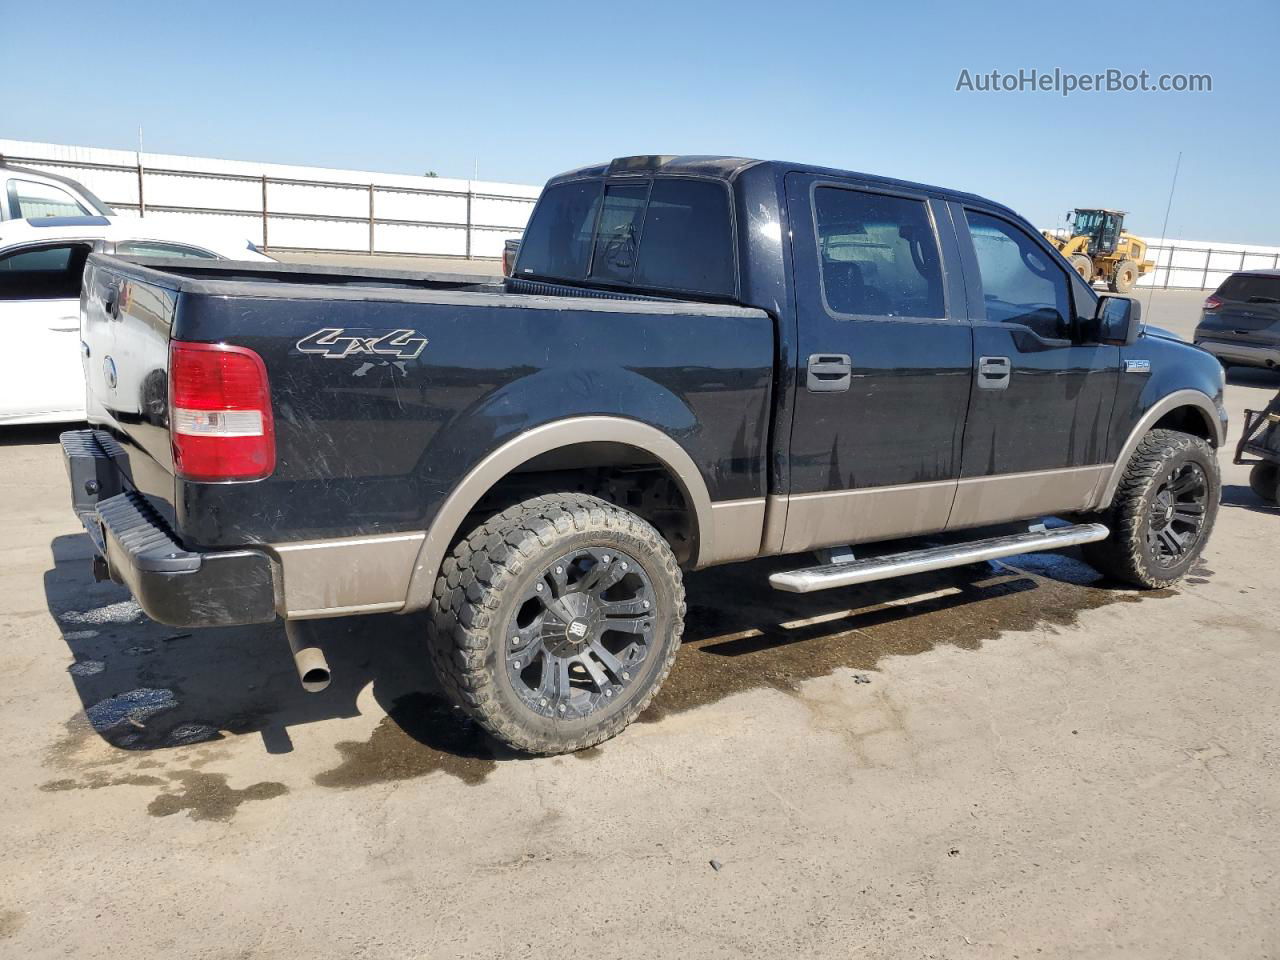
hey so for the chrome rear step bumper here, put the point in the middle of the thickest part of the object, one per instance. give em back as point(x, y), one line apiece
point(830, 575)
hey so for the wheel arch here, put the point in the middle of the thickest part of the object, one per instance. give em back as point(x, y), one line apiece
point(560, 435)
point(1190, 411)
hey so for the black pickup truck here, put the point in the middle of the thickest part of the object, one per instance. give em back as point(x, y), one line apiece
point(697, 360)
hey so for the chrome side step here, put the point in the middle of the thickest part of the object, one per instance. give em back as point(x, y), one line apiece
point(829, 575)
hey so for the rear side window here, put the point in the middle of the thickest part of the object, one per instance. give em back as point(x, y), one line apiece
point(666, 234)
point(45, 273)
point(878, 255)
point(1250, 289)
point(34, 200)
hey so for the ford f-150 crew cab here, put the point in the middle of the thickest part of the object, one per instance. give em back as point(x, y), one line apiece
point(697, 360)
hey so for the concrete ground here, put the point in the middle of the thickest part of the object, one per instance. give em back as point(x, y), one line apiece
point(1017, 760)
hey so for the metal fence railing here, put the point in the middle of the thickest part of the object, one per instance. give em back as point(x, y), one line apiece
point(1201, 268)
point(304, 214)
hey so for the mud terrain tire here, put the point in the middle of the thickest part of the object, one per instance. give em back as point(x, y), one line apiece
point(555, 622)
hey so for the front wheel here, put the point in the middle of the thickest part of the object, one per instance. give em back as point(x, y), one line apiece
point(1125, 276)
point(555, 622)
point(1163, 511)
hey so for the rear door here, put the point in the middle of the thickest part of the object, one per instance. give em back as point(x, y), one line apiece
point(40, 367)
point(1042, 398)
point(885, 363)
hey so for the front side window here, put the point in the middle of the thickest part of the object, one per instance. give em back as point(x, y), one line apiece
point(878, 255)
point(43, 273)
point(35, 200)
point(156, 248)
point(1020, 284)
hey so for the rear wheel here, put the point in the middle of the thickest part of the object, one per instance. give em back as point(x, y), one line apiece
point(555, 622)
point(1264, 480)
point(1162, 513)
point(1125, 277)
point(1083, 266)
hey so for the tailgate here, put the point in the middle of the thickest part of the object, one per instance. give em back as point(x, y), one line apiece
point(125, 323)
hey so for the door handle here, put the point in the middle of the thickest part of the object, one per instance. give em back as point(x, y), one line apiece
point(994, 372)
point(829, 372)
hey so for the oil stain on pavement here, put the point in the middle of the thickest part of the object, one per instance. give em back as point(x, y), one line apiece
point(421, 734)
point(774, 639)
point(207, 796)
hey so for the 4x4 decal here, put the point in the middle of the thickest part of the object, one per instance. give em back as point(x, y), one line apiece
point(334, 343)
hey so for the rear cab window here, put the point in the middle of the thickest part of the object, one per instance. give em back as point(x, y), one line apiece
point(665, 234)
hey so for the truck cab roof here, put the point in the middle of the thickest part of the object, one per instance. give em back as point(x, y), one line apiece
point(729, 168)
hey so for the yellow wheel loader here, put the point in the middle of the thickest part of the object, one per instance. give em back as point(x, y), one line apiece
point(1099, 249)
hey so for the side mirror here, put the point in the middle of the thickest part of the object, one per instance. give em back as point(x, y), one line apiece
point(1118, 320)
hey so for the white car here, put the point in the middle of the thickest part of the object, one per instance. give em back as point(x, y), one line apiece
point(41, 266)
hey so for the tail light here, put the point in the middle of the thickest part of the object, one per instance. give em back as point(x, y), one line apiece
point(220, 419)
point(1213, 303)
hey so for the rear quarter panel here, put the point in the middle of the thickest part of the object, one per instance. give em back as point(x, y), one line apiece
point(373, 444)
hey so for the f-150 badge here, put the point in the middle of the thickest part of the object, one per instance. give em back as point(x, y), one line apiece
point(334, 343)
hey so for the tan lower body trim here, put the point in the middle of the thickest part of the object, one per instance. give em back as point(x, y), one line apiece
point(736, 527)
point(331, 578)
point(875, 513)
point(809, 521)
point(1017, 496)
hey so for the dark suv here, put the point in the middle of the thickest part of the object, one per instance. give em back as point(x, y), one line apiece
point(1241, 320)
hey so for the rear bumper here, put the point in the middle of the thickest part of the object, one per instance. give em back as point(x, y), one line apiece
point(1242, 353)
point(173, 585)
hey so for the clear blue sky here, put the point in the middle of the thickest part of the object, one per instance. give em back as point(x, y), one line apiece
point(529, 89)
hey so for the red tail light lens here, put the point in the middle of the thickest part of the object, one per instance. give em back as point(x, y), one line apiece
point(220, 413)
point(1213, 303)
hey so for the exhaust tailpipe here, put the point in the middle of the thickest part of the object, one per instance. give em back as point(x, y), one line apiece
point(308, 658)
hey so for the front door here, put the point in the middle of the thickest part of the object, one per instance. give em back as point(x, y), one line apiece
point(1041, 402)
point(884, 366)
point(40, 367)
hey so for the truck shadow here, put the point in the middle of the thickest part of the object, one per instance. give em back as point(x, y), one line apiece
point(1242, 496)
point(147, 687)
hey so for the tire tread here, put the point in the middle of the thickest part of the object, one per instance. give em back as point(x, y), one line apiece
point(470, 588)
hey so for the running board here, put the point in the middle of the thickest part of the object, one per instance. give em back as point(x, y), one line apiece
point(829, 575)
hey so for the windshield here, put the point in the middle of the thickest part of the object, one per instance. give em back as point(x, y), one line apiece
point(669, 233)
point(1088, 221)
